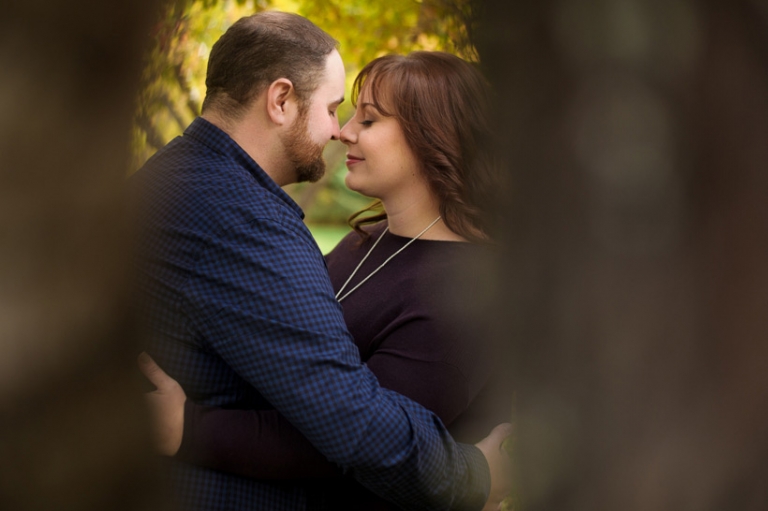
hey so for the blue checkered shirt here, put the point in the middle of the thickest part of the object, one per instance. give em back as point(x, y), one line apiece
point(240, 310)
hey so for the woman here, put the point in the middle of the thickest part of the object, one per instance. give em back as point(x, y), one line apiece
point(419, 142)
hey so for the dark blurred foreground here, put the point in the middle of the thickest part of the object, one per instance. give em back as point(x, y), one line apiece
point(636, 270)
point(72, 431)
point(633, 286)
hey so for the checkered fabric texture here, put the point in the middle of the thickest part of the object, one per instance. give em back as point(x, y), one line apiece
point(240, 310)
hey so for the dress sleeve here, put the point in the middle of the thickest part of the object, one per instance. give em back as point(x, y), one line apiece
point(259, 444)
point(260, 297)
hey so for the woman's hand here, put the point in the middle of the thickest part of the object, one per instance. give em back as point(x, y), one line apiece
point(499, 463)
point(166, 407)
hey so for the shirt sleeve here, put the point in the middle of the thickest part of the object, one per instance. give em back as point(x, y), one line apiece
point(263, 444)
point(261, 297)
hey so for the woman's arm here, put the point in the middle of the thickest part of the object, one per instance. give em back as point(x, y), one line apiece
point(259, 444)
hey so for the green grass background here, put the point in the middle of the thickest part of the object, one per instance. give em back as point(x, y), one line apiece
point(327, 236)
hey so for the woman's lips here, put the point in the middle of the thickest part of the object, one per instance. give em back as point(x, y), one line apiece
point(351, 160)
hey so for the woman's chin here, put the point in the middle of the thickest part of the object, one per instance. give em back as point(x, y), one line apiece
point(353, 185)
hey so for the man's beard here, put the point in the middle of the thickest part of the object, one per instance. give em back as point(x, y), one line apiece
point(305, 155)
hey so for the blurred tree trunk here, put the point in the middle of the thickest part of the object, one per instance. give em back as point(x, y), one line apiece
point(72, 433)
point(636, 235)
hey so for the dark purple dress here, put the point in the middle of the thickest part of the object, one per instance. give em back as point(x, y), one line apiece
point(410, 323)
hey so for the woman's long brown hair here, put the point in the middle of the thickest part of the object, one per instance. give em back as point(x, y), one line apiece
point(442, 104)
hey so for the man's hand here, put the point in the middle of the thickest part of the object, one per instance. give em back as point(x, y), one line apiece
point(166, 407)
point(499, 463)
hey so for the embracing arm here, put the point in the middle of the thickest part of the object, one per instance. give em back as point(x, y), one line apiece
point(257, 444)
point(263, 444)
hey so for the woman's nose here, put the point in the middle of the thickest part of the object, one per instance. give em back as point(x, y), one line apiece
point(348, 135)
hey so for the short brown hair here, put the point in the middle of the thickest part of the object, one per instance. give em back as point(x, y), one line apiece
point(257, 50)
point(442, 104)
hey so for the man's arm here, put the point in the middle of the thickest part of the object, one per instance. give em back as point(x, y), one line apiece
point(262, 444)
point(261, 298)
point(233, 430)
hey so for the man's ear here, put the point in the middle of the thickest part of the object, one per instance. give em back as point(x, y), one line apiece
point(280, 95)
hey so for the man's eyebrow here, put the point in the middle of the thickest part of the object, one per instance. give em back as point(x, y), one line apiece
point(338, 101)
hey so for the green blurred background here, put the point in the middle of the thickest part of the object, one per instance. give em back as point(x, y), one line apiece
point(174, 77)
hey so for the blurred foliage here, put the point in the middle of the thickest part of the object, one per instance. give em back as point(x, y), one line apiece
point(174, 77)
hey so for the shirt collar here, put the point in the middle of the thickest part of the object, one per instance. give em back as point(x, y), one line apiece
point(217, 140)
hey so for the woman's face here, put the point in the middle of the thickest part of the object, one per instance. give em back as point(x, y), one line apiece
point(380, 163)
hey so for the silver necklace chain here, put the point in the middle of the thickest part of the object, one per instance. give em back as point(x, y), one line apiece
point(339, 297)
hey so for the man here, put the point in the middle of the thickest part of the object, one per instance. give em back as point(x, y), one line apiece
point(238, 303)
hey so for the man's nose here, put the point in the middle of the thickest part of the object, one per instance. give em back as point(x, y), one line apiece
point(336, 133)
